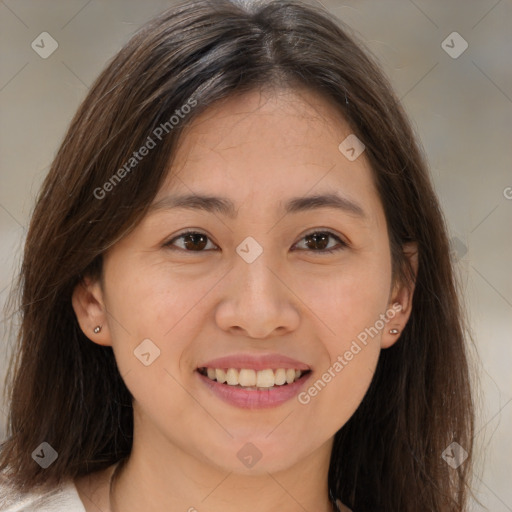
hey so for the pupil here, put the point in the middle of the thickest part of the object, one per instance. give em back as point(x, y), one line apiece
point(195, 236)
point(324, 239)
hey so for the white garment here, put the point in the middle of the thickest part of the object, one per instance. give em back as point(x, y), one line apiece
point(64, 498)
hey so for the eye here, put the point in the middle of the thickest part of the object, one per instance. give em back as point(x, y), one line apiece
point(320, 239)
point(195, 241)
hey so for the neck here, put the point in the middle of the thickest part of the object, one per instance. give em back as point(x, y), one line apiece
point(246, 493)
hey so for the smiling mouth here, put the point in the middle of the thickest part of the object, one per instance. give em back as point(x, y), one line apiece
point(247, 378)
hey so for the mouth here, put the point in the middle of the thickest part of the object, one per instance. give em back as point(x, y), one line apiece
point(249, 379)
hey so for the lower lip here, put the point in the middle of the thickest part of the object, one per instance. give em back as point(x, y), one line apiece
point(254, 399)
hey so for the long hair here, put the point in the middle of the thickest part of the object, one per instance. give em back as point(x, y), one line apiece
point(67, 391)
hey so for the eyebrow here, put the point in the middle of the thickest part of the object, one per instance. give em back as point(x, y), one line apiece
point(226, 207)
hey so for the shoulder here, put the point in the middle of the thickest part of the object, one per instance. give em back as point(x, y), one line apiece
point(63, 498)
point(341, 507)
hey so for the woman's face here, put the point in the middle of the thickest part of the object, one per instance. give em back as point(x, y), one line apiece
point(254, 281)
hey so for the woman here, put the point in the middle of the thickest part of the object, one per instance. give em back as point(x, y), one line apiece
point(236, 290)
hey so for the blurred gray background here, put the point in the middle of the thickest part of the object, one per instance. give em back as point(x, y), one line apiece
point(459, 100)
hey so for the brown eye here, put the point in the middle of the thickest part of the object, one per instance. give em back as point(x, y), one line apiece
point(193, 241)
point(318, 241)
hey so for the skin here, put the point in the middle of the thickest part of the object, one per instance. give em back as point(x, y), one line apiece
point(257, 149)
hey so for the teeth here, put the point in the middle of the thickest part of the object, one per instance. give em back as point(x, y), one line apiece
point(220, 375)
point(232, 376)
point(280, 377)
point(252, 379)
point(265, 378)
point(247, 378)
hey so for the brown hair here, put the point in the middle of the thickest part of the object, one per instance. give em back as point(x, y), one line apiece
point(67, 391)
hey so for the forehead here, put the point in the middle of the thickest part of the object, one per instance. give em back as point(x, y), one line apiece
point(271, 148)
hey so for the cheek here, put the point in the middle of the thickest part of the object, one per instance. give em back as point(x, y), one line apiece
point(349, 299)
point(337, 392)
point(155, 301)
point(350, 304)
point(167, 309)
point(158, 317)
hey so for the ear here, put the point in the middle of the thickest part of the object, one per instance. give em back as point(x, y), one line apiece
point(400, 301)
point(87, 301)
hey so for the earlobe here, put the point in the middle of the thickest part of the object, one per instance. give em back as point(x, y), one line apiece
point(394, 327)
point(87, 301)
point(400, 308)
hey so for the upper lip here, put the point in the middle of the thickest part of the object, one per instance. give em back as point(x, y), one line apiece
point(255, 362)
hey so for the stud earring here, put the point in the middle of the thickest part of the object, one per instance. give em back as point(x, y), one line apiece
point(394, 331)
point(97, 329)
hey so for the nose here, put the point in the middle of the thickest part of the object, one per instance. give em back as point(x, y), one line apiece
point(258, 300)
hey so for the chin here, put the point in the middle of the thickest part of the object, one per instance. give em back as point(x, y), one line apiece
point(254, 455)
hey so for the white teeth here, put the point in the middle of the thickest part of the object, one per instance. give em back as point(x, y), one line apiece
point(220, 375)
point(252, 379)
point(280, 377)
point(247, 378)
point(265, 378)
point(232, 376)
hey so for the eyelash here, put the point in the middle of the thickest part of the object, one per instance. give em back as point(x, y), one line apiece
point(342, 244)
